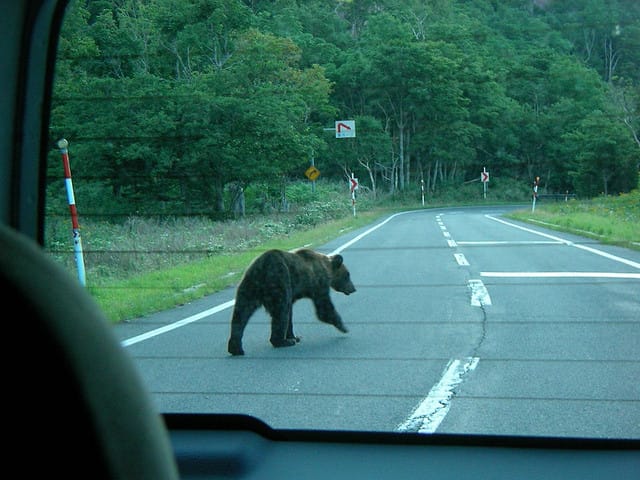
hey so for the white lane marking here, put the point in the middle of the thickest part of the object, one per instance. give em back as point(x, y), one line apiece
point(511, 242)
point(430, 412)
point(519, 227)
point(608, 255)
point(372, 229)
point(180, 323)
point(567, 242)
point(446, 234)
point(452, 243)
point(479, 293)
point(461, 259)
point(231, 303)
point(560, 275)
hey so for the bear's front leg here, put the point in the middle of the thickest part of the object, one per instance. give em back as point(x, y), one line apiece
point(234, 347)
point(282, 342)
point(327, 313)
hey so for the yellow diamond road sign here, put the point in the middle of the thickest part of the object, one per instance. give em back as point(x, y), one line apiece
point(312, 173)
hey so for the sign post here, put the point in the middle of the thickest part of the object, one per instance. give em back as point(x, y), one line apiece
point(353, 186)
point(484, 178)
point(312, 173)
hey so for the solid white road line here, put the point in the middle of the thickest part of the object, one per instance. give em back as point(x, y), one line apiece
point(178, 324)
point(430, 412)
point(560, 275)
point(231, 303)
point(511, 242)
point(364, 234)
point(567, 242)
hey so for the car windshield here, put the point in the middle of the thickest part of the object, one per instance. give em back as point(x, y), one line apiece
point(390, 216)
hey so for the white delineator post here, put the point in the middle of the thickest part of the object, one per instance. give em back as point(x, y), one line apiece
point(63, 145)
point(353, 185)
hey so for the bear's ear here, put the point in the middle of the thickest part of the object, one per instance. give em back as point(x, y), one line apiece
point(336, 261)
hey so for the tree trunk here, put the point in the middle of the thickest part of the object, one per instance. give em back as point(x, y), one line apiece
point(238, 205)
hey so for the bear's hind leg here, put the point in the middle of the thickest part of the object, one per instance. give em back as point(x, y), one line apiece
point(290, 334)
point(281, 326)
point(242, 311)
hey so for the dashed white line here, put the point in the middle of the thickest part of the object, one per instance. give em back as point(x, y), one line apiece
point(430, 412)
point(461, 259)
point(479, 294)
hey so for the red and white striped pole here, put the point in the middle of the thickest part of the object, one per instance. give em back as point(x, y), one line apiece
point(63, 145)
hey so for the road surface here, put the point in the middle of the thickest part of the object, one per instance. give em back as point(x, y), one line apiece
point(463, 322)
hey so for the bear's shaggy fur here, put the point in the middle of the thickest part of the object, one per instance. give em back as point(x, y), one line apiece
point(275, 280)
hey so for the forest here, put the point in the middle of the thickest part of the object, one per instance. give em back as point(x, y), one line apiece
point(184, 106)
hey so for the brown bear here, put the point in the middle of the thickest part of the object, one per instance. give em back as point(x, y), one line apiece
point(275, 280)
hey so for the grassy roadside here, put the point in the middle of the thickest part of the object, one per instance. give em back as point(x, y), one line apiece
point(161, 289)
point(613, 220)
point(610, 220)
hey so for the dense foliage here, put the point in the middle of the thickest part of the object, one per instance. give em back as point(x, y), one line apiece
point(176, 106)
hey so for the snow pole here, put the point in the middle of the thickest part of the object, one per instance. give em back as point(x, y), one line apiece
point(353, 186)
point(63, 145)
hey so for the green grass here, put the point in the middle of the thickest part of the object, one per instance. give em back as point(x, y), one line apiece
point(610, 220)
point(143, 265)
point(145, 293)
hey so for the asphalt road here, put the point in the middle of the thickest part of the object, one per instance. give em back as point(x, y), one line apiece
point(463, 322)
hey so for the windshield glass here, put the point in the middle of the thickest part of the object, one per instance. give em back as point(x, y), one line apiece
point(360, 215)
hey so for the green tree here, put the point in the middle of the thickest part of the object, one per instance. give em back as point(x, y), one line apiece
point(604, 157)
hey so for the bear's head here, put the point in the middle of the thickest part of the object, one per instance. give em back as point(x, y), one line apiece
point(340, 277)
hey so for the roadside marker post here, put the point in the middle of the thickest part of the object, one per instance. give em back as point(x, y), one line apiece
point(353, 185)
point(484, 178)
point(63, 145)
point(536, 182)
